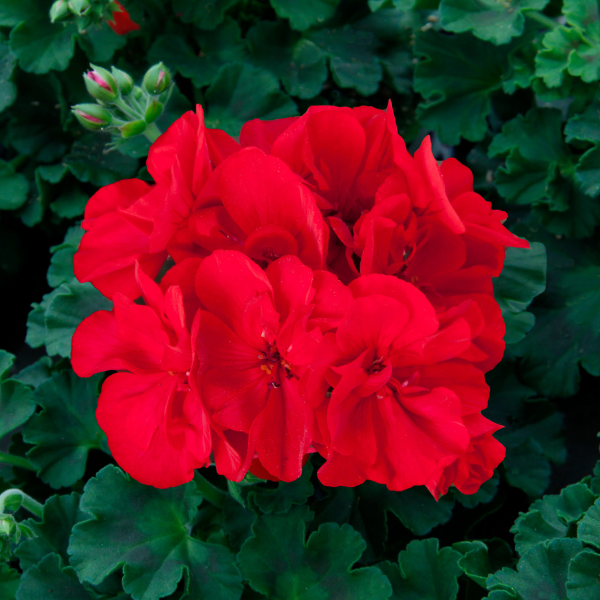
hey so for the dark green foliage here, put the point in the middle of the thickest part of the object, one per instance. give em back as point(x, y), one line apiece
point(509, 88)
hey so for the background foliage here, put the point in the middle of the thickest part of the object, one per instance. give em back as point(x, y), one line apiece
point(511, 89)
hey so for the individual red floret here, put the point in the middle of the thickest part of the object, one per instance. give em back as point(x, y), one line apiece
point(257, 205)
point(398, 391)
point(255, 340)
point(131, 221)
point(117, 240)
point(156, 425)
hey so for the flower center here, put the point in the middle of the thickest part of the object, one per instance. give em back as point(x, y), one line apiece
point(270, 361)
point(377, 366)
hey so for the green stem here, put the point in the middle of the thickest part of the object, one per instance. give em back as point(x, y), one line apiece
point(16, 461)
point(209, 492)
point(542, 19)
point(27, 502)
point(152, 132)
point(127, 110)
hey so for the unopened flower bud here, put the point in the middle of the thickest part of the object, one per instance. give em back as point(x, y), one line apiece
point(92, 116)
point(79, 7)
point(133, 128)
point(124, 81)
point(59, 11)
point(157, 79)
point(100, 84)
point(153, 111)
point(7, 525)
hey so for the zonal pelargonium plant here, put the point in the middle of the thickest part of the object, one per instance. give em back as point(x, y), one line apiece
point(312, 288)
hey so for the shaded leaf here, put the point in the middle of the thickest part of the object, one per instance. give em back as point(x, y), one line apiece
point(241, 93)
point(541, 572)
point(456, 78)
point(588, 171)
point(487, 19)
point(352, 57)
point(90, 161)
point(49, 581)
point(42, 46)
point(14, 188)
point(8, 90)
point(523, 278)
point(61, 262)
point(66, 428)
point(583, 582)
point(281, 565)
point(144, 529)
point(9, 582)
point(59, 515)
point(424, 572)
point(589, 527)
point(303, 15)
point(298, 62)
point(205, 14)
point(550, 517)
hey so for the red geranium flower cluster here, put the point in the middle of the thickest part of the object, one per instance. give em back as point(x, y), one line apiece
point(312, 288)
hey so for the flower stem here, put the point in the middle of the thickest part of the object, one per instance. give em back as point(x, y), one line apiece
point(152, 132)
point(27, 502)
point(16, 461)
point(542, 19)
point(209, 492)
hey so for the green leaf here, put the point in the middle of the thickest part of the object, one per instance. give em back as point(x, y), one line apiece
point(303, 15)
point(61, 262)
point(59, 515)
point(66, 428)
point(9, 582)
point(585, 126)
point(352, 57)
point(575, 48)
point(285, 495)
point(298, 62)
point(100, 42)
point(90, 161)
point(145, 530)
point(35, 373)
point(588, 171)
point(41, 46)
point(526, 468)
point(567, 331)
point(49, 581)
point(541, 572)
point(8, 90)
point(581, 217)
point(71, 202)
point(532, 433)
point(241, 93)
point(535, 148)
point(551, 62)
point(12, 12)
point(218, 47)
point(479, 559)
point(522, 279)
point(67, 306)
point(281, 565)
point(6, 362)
point(589, 527)
point(14, 187)
point(487, 19)
point(205, 14)
point(550, 517)
point(16, 405)
point(583, 582)
point(424, 572)
point(456, 79)
point(398, 66)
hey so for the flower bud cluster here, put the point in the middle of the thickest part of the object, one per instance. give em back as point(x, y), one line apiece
point(121, 106)
point(11, 530)
point(87, 13)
